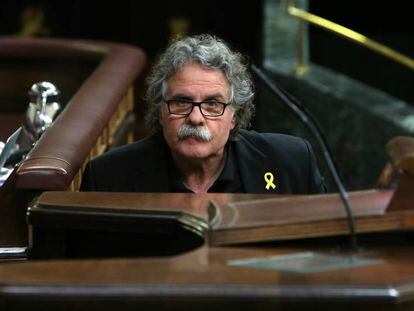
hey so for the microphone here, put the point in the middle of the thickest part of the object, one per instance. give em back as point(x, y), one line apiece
point(300, 111)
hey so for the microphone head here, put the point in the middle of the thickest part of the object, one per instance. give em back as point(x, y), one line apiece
point(43, 107)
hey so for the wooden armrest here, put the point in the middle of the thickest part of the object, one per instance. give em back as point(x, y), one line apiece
point(63, 148)
point(401, 152)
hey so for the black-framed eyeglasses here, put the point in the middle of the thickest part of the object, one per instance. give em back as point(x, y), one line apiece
point(183, 107)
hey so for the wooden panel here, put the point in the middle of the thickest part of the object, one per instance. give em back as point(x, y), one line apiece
point(231, 219)
point(111, 221)
point(203, 279)
point(293, 217)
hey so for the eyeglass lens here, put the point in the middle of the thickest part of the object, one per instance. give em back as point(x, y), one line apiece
point(211, 108)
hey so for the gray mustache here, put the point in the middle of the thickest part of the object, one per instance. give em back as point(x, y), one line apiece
point(200, 132)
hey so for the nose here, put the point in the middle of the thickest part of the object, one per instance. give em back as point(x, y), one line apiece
point(195, 117)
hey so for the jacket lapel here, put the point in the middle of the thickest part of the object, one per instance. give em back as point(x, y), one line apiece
point(253, 165)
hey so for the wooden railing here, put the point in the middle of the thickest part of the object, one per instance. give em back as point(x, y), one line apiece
point(93, 116)
point(87, 126)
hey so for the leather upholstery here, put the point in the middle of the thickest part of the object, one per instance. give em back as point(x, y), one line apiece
point(63, 148)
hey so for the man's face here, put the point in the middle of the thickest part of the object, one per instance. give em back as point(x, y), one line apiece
point(196, 83)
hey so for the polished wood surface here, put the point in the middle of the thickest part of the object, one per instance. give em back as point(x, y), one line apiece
point(293, 217)
point(378, 276)
point(192, 204)
point(226, 218)
point(203, 278)
point(65, 224)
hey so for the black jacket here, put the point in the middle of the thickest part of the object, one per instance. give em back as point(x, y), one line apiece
point(142, 166)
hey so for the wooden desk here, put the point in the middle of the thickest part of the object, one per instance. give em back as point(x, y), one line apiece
point(81, 225)
point(204, 280)
point(85, 224)
point(202, 276)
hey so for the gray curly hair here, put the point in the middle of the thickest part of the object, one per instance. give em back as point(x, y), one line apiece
point(213, 53)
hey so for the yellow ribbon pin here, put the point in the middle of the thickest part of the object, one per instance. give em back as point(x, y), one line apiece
point(268, 177)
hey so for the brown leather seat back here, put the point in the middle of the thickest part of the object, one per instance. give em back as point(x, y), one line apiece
point(90, 116)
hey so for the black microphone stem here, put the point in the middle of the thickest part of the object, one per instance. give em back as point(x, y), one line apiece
point(307, 118)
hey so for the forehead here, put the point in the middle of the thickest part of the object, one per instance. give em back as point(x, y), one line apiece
point(196, 80)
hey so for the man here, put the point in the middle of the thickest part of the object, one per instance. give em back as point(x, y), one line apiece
point(200, 98)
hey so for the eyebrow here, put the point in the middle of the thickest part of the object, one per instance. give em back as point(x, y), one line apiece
point(187, 96)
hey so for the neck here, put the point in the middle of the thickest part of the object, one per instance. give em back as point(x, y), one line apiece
point(199, 175)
